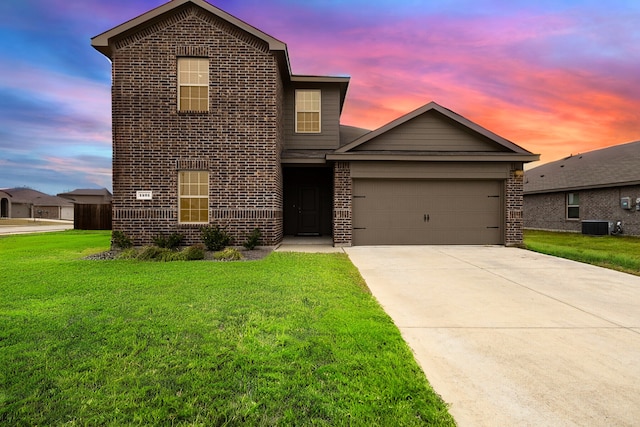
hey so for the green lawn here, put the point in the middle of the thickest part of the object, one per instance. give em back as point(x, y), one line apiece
point(294, 339)
point(616, 252)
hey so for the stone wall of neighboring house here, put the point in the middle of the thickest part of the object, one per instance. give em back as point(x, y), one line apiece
point(238, 141)
point(548, 211)
point(46, 212)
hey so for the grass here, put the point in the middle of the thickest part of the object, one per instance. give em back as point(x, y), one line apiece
point(620, 253)
point(293, 339)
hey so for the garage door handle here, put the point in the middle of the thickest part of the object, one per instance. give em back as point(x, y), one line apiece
point(426, 217)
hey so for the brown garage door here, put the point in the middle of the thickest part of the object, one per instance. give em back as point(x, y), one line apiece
point(427, 212)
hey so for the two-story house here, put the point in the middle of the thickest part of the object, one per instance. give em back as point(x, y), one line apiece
point(210, 126)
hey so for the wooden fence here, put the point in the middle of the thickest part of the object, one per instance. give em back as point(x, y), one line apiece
point(92, 217)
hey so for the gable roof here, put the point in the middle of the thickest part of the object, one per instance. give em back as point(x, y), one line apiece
point(505, 149)
point(102, 41)
point(87, 192)
point(80, 195)
point(608, 167)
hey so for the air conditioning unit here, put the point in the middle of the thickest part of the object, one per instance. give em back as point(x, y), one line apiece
point(597, 227)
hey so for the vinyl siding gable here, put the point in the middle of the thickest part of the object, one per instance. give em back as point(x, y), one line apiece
point(430, 132)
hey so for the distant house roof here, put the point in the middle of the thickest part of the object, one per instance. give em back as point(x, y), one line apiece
point(34, 197)
point(608, 167)
point(87, 192)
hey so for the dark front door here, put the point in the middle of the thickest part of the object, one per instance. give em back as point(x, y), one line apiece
point(308, 211)
point(308, 194)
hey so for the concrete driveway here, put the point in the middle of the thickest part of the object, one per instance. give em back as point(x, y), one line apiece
point(509, 337)
point(35, 228)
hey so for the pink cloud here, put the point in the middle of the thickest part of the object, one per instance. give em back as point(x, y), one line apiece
point(515, 77)
point(100, 176)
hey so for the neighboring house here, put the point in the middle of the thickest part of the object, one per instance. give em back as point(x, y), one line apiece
point(601, 185)
point(27, 203)
point(210, 126)
point(88, 196)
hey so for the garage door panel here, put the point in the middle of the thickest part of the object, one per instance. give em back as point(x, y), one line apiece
point(388, 211)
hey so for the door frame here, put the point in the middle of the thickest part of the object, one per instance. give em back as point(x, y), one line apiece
point(295, 180)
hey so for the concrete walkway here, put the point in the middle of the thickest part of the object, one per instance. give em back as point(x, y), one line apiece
point(320, 244)
point(509, 337)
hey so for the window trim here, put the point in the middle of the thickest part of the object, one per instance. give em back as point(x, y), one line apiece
point(181, 85)
point(182, 197)
point(573, 205)
point(298, 109)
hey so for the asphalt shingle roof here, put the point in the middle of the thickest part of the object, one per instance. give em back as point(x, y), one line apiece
point(28, 195)
point(607, 167)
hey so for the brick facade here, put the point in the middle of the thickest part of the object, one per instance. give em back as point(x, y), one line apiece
point(514, 207)
point(342, 204)
point(238, 141)
point(548, 211)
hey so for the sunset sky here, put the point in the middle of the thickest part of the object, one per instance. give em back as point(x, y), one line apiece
point(557, 77)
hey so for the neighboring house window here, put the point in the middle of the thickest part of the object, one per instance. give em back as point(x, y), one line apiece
point(193, 84)
point(308, 111)
point(573, 206)
point(193, 196)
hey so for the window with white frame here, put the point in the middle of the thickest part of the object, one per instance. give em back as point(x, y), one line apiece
point(193, 84)
point(193, 197)
point(573, 206)
point(308, 111)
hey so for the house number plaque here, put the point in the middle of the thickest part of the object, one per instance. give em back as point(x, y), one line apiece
point(144, 195)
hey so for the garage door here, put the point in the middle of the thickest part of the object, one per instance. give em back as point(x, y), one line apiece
point(427, 212)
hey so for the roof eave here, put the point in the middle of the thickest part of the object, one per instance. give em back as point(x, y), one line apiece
point(306, 161)
point(497, 157)
point(582, 187)
point(342, 81)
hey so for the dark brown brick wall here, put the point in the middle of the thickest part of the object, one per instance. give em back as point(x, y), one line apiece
point(238, 141)
point(548, 211)
point(342, 204)
point(514, 206)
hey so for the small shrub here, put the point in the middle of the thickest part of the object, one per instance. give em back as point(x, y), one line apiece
point(194, 253)
point(172, 241)
point(153, 253)
point(229, 254)
point(121, 240)
point(253, 239)
point(129, 253)
point(215, 238)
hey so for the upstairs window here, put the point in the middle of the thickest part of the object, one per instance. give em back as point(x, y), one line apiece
point(307, 111)
point(193, 197)
point(573, 206)
point(193, 84)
